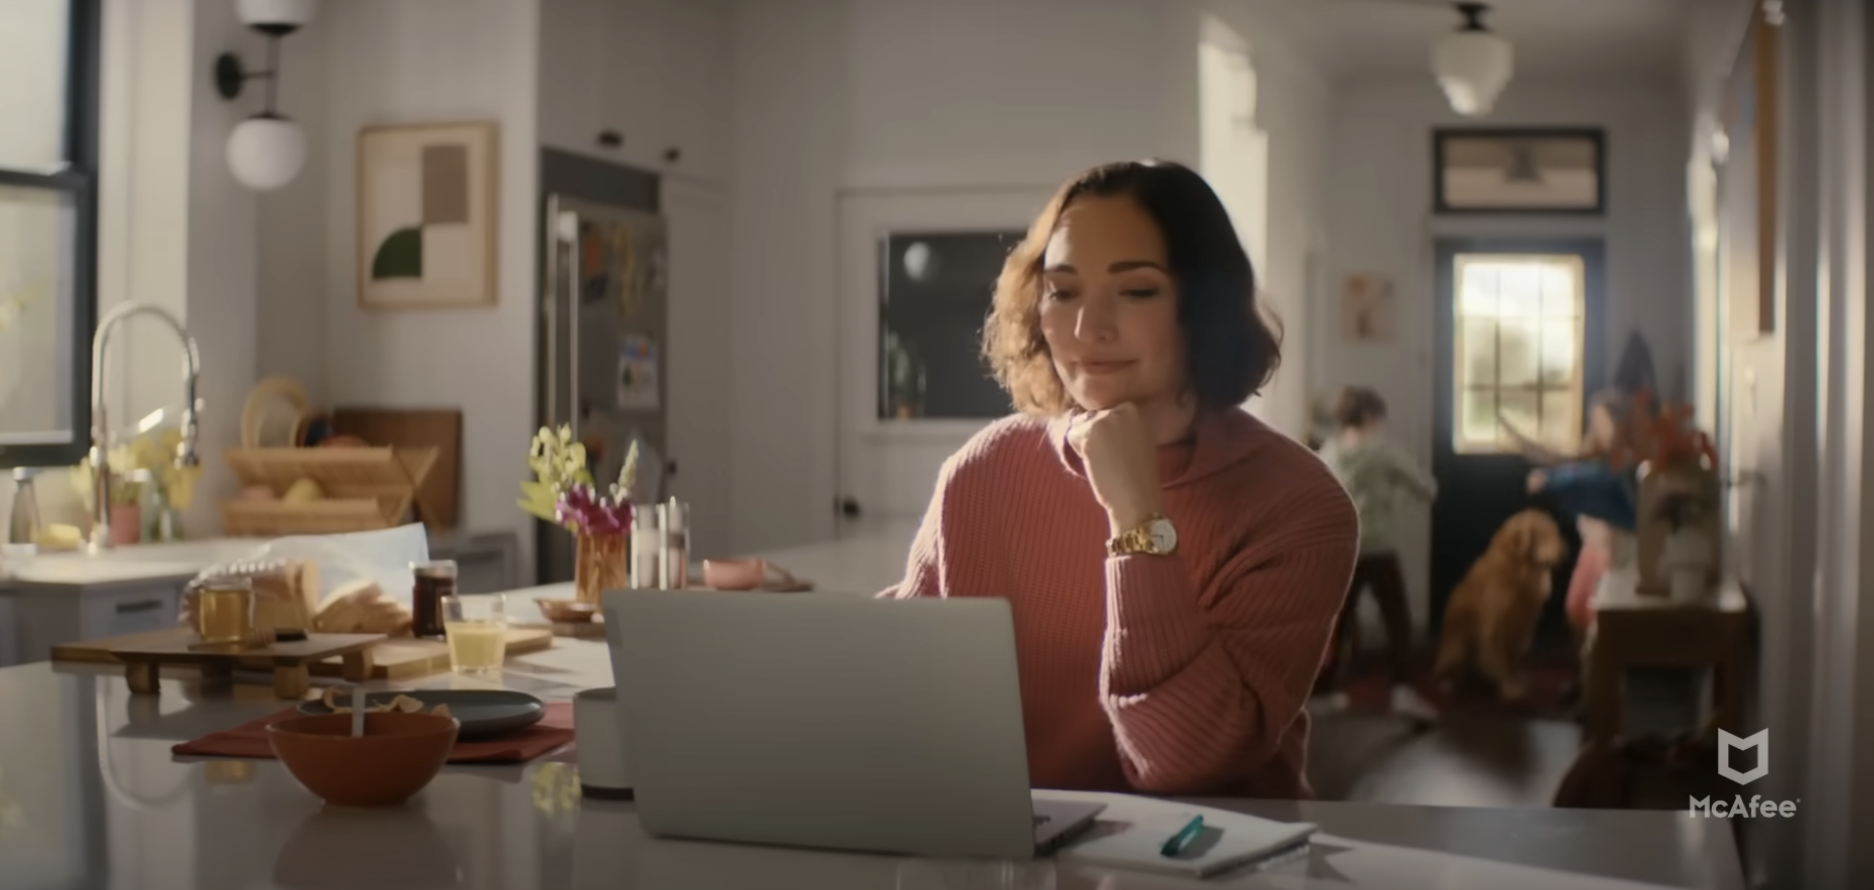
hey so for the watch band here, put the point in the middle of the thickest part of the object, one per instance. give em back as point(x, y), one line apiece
point(1137, 539)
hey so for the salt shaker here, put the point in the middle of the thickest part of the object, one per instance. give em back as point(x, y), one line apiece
point(674, 519)
point(647, 544)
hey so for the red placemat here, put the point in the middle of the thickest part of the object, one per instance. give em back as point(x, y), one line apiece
point(250, 740)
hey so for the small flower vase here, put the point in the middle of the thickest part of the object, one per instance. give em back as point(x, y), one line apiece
point(600, 564)
point(126, 524)
point(1686, 563)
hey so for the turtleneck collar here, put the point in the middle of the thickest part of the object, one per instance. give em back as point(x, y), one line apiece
point(1219, 439)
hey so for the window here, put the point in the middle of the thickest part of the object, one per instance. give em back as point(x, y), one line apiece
point(48, 228)
point(932, 304)
point(1519, 339)
point(1519, 171)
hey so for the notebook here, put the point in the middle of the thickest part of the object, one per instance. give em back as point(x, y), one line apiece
point(1228, 841)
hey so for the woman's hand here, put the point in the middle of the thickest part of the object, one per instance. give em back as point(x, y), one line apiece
point(1122, 464)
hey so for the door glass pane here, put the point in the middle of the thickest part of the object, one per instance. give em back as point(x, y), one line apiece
point(1478, 362)
point(1477, 289)
point(36, 360)
point(1561, 288)
point(1477, 412)
point(1519, 293)
point(33, 39)
point(1518, 340)
point(1561, 420)
point(1519, 408)
point(933, 300)
point(1560, 351)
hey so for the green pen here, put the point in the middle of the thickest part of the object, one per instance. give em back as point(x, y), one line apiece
point(1177, 842)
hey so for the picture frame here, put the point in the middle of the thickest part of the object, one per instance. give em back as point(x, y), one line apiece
point(1746, 165)
point(428, 215)
point(1556, 170)
point(1368, 308)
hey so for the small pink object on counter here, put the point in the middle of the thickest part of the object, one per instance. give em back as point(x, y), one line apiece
point(750, 574)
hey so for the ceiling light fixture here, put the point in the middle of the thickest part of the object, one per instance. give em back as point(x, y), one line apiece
point(1473, 64)
point(267, 150)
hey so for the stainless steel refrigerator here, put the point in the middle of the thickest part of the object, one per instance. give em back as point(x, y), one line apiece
point(604, 368)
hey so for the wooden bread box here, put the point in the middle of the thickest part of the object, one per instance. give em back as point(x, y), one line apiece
point(365, 489)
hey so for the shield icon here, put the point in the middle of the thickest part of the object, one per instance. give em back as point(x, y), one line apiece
point(1727, 742)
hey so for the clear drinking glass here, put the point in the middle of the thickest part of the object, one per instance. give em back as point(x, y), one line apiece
point(477, 630)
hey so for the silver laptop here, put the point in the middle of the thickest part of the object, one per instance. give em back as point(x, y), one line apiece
point(835, 721)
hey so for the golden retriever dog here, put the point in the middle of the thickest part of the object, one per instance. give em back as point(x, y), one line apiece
point(1493, 612)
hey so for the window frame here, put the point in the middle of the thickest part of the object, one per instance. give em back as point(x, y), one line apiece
point(1462, 385)
point(77, 178)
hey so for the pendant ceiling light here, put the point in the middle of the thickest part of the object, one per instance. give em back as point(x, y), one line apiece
point(1473, 64)
point(266, 151)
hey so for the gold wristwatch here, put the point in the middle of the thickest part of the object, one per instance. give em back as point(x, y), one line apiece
point(1154, 537)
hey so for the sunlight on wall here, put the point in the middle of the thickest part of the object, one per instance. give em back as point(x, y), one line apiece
point(1233, 151)
point(1701, 188)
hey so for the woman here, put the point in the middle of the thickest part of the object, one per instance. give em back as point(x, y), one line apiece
point(1377, 474)
point(1174, 566)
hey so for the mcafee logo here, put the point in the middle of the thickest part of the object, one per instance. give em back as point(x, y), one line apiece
point(1727, 742)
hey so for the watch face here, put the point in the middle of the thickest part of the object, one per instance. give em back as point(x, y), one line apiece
point(1164, 537)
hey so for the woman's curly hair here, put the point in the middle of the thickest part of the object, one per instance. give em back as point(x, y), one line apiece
point(1231, 349)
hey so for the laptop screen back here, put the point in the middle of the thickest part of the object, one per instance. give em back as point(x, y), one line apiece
point(824, 720)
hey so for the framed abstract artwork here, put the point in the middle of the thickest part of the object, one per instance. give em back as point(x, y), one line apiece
point(427, 216)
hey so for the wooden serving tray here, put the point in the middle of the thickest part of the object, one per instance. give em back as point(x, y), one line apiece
point(289, 661)
point(392, 658)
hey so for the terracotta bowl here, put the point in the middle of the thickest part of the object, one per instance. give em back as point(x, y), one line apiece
point(567, 611)
point(395, 758)
point(735, 574)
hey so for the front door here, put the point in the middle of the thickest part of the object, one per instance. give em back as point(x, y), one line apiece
point(1518, 338)
point(916, 273)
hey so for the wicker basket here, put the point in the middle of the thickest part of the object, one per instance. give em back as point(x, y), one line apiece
point(365, 488)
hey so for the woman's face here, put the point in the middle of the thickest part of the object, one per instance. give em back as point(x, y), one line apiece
point(1109, 308)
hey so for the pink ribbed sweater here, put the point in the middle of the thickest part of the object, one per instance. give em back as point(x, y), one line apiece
point(1163, 675)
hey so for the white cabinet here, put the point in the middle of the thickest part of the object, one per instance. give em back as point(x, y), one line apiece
point(698, 88)
point(644, 83)
point(697, 215)
point(46, 615)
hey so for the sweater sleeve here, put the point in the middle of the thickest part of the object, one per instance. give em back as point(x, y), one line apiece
point(1420, 483)
point(1200, 685)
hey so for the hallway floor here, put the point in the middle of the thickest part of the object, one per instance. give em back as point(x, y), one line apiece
point(1476, 760)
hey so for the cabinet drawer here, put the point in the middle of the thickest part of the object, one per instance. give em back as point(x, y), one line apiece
point(131, 610)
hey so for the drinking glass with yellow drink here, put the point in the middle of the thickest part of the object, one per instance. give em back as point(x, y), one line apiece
point(477, 631)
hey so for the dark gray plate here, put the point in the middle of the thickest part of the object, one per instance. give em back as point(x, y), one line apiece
point(481, 711)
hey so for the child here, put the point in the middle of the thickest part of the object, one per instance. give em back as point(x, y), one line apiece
point(1376, 474)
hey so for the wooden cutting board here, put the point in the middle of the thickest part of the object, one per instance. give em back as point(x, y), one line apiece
point(392, 659)
point(405, 428)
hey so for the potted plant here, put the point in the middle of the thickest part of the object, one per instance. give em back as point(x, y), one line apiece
point(562, 492)
point(1678, 496)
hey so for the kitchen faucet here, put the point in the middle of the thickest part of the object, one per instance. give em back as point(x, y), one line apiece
point(100, 424)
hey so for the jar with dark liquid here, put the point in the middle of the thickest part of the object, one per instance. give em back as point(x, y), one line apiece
point(433, 581)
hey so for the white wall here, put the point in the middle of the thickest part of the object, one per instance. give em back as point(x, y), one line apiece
point(895, 95)
point(293, 280)
point(1379, 220)
point(421, 61)
point(223, 219)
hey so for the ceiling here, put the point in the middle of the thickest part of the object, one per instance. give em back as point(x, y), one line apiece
point(1557, 38)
